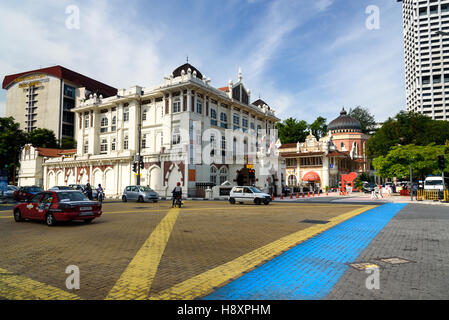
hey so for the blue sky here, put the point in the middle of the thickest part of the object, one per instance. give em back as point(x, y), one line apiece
point(305, 58)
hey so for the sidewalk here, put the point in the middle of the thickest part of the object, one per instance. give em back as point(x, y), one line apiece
point(358, 197)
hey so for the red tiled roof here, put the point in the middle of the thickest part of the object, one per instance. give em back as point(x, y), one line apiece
point(52, 153)
point(224, 89)
point(64, 73)
point(288, 146)
point(338, 153)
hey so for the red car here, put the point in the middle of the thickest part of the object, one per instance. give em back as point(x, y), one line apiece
point(26, 193)
point(58, 205)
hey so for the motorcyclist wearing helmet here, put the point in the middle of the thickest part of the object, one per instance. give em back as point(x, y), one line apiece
point(177, 192)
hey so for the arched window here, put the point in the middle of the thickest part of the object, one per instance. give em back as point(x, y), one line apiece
point(292, 181)
point(114, 123)
point(223, 175)
point(213, 174)
point(355, 147)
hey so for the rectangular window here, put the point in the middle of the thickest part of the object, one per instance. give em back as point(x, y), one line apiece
point(177, 106)
point(176, 138)
point(104, 146)
point(199, 106)
point(144, 141)
point(69, 91)
point(236, 120)
point(126, 115)
point(125, 143)
point(213, 115)
point(86, 146)
point(113, 145)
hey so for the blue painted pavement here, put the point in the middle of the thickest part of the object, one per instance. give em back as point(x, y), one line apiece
point(311, 269)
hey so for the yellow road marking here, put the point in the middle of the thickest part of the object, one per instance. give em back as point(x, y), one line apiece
point(14, 287)
point(239, 208)
point(204, 284)
point(135, 282)
point(6, 217)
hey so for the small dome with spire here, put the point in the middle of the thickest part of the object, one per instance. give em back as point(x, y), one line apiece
point(185, 67)
point(345, 122)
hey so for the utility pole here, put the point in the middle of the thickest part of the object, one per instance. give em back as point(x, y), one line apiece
point(139, 130)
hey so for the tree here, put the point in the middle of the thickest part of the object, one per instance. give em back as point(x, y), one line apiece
point(292, 130)
point(68, 143)
point(366, 119)
point(424, 161)
point(42, 138)
point(319, 127)
point(12, 140)
point(407, 128)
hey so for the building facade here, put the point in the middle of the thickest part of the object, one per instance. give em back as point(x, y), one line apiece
point(31, 169)
point(44, 98)
point(427, 56)
point(174, 127)
point(318, 164)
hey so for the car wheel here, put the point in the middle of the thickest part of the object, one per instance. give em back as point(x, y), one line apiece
point(266, 202)
point(257, 201)
point(154, 201)
point(87, 221)
point(17, 216)
point(124, 199)
point(231, 200)
point(50, 219)
point(140, 199)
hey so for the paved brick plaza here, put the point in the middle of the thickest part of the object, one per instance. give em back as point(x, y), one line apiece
point(141, 251)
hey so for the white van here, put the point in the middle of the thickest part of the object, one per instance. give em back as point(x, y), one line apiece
point(434, 183)
point(248, 194)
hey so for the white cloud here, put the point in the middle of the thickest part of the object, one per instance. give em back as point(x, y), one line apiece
point(115, 47)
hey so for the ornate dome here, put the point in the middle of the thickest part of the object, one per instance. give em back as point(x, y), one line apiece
point(185, 67)
point(345, 122)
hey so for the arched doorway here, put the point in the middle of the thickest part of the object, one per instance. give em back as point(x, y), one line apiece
point(313, 179)
point(246, 177)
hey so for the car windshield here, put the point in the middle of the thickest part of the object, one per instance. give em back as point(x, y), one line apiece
point(65, 188)
point(433, 182)
point(71, 196)
point(145, 189)
point(35, 189)
point(255, 190)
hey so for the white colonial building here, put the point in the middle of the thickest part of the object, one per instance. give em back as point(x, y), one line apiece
point(180, 123)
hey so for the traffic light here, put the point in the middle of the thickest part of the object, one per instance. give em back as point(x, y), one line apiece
point(252, 174)
point(135, 167)
point(142, 165)
point(441, 162)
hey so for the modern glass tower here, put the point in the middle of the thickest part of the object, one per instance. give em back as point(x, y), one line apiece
point(426, 42)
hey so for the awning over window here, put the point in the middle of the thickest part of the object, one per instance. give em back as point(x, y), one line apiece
point(311, 177)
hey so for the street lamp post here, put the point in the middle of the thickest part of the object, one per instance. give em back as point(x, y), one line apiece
point(411, 182)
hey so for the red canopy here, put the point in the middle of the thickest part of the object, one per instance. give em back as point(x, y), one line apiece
point(311, 177)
